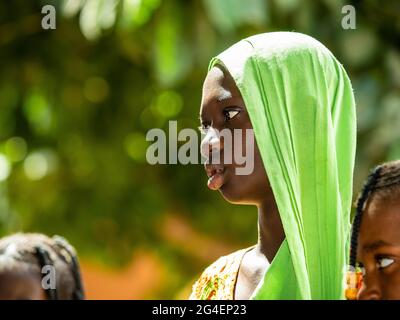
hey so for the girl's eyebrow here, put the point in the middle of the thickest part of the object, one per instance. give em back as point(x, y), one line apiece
point(375, 245)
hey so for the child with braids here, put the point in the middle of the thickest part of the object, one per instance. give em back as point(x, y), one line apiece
point(375, 240)
point(25, 259)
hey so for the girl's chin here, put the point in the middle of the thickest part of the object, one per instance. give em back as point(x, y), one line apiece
point(235, 193)
point(231, 195)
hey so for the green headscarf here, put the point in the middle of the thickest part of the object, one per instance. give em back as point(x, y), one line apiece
point(302, 109)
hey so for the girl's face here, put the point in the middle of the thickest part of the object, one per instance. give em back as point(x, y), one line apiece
point(379, 250)
point(21, 285)
point(222, 107)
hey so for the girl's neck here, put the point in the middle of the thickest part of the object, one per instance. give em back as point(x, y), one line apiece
point(270, 229)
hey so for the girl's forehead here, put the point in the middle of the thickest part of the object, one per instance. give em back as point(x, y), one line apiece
point(387, 207)
point(215, 79)
point(20, 285)
point(381, 224)
point(218, 88)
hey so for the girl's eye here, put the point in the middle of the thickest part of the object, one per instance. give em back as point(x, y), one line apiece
point(229, 114)
point(384, 262)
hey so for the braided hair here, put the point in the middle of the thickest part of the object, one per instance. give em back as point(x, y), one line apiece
point(383, 183)
point(34, 251)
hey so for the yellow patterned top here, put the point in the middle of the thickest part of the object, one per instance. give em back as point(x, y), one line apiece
point(218, 281)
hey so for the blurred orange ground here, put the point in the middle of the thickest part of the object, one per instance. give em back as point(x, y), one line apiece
point(136, 281)
point(147, 273)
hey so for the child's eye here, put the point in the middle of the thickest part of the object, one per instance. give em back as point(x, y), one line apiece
point(384, 262)
point(229, 114)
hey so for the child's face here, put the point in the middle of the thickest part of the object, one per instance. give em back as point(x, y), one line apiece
point(222, 108)
point(20, 285)
point(379, 250)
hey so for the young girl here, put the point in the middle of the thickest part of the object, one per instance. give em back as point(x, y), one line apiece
point(375, 245)
point(297, 98)
point(25, 259)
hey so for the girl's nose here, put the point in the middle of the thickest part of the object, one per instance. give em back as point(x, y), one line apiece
point(370, 289)
point(211, 143)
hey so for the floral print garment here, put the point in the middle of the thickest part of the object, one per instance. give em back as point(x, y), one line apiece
point(218, 281)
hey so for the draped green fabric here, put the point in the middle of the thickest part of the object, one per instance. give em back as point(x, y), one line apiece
point(302, 109)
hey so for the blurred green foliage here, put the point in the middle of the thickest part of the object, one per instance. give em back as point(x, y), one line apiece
point(76, 103)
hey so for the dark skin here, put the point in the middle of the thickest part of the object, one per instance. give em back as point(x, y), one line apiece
point(223, 107)
point(378, 250)
point(21, 285)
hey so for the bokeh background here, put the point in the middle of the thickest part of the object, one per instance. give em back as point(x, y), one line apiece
point(76, 103)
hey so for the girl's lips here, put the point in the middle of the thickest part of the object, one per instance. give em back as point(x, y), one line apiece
point(216, 181)
point(216, 178)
